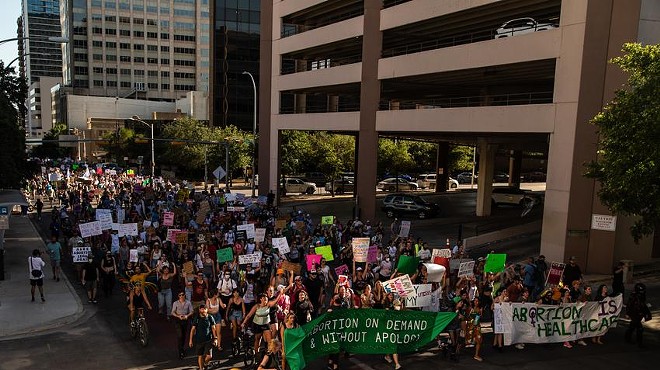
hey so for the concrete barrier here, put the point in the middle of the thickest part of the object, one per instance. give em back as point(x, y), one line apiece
point(503, 234)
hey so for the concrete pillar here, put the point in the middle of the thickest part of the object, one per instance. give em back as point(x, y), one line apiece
point(333, 103)
point(515, 163)
point(369, 99)
point(442, 169)
point(300, 103)
point(485, 179)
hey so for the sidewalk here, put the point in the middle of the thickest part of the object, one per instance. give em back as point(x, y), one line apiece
point(18, 315)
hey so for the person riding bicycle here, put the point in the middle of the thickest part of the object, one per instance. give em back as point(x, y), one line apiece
point(137, 299)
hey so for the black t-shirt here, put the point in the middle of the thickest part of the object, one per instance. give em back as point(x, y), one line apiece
point(314, 287)
point(90, 271)
point(203, 328)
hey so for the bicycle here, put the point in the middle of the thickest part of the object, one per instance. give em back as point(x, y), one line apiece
point(139, 328)
point(244, 344)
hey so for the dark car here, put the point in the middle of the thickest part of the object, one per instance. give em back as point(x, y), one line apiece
point(318, 178)
point(465, 178)
point(500, 177)
point(534, 176)
point(406, 204)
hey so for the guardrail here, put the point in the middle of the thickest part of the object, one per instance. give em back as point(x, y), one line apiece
point(543, 97)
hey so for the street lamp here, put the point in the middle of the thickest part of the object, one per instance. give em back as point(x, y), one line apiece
point(57, 39)
point(254, 129)
point(153, 158)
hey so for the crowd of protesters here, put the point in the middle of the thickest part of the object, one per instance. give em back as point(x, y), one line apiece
point(269, 296)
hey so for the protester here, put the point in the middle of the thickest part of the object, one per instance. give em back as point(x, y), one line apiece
point(54, 249)
point(36, 270)
point(204, 335)
point(637, 310)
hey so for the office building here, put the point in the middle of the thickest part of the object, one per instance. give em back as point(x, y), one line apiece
point(504, 76)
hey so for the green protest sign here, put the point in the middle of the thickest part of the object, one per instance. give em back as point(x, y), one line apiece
point(495, 262)
point(362, 332)
point(327, 220)
point(225, 255)
point(407, 265)
point(326, 252)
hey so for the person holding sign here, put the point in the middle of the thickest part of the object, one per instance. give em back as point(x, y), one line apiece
point(260, 315)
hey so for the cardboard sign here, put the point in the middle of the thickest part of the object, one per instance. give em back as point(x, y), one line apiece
point(146, 224)
point(443, 253)
point(327, 220)
point(326, 252)
point(421, 298)
point(225, 255)
point(360, 249)
point(342, 280)
point(290, 266)
point(300, 225)
point(249, 230)
point(188, 267)
point(312, 260)
point(405, 229)
point(435, 272)
point(90, 229)
point(80, 254)
point(171, 235)
point(168, 218)
point(466, 269)
point(121, 215)
point(555, 273)
point(102, 212)
point(133, 255)
point(181, 238)
point(259, 235)
point(245, 259)
point(282, 245)
point(280, 223)
point(341, 270)
point(400, 285)
point(128, 229)
point(495, 262)
point(372, 254)
point(105, 219)
point(202, 212)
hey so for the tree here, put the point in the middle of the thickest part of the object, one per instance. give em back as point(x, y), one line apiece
point(628, 163)
point(13, 160)
point(49, 148)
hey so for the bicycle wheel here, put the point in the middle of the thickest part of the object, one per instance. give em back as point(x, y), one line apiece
point(134, 329)
point(236, 347)
point(249, 357)
point(144, 333)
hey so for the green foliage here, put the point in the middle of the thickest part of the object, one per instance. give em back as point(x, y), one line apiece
point(49, 148)
point(394, 157)
point(628, 163)
point(460, 158)
point(13, 160)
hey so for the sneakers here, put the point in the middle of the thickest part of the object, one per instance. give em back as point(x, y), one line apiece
point(397, 367)
point(567, 345)
point(95, 301)
point(43, 299)
point(520, 346)
point(581, 342)
point(388, 359)
point(32, 298)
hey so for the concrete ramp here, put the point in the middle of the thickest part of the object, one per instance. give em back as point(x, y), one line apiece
point(503, 234)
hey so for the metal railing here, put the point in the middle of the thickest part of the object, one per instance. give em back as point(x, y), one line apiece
point(289, 29)
point(544, 97)
point(290, 69)
point(341, 107)
point(438, 43)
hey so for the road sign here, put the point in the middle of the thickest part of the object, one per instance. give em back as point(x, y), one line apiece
point(219, 173)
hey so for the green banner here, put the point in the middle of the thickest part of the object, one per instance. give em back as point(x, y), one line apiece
point(359, 331)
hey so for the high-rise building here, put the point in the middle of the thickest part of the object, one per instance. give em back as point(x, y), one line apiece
point(143, 49)
point(235, 49)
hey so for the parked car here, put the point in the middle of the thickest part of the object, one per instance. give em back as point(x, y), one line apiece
point(465, 177)
point(341, 186)
point(406, 204)
point(428, 180)
point(534, 176)
point(509, 195)
point(404, 176)
point(318, 178)
point(396, 184)
point(295, 185)
point(500, 177)
point(521, 26)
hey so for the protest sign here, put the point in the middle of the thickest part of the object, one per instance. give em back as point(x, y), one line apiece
point(281, 244)
point(204, 208)
point(121, 215)
point(90, 229)
point(245, 259)
point(364, 332)
point(436, 296)
point(133, 255)
point(360, 249)
point(300, 225)
point(225, 255)
point(290, 266)
point(312, 261)
point(499, 322)
point(80, 254)
point(455, 263)
point(495, 262)
point(101, 212)
point(400, 285)
point(407, 264)
point(466, 269)
point(326, 252)
point(105, 219)
point(241, 235)
point(280, 223)
point(421, 298)
point(115, 226)
point(259, 235)
point(128, 229)
point(533, 323)
point(435, 272)
point(405, 229)
point(188, 267)
point(249, 230)
point(146, 224)
point(555, 273)
point(327, 220)
point(341, 270)
point(342, 280)
point(443, 253)
point(171, 235)
point(181, 238)
point(372, 254)
point(168, 218)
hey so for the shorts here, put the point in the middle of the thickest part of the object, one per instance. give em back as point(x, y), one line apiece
point(216, 316)
point(89, 285)
point(258, 329)
point(37, 282)
point(204, 348)
point(55, 263)
point(236, 315)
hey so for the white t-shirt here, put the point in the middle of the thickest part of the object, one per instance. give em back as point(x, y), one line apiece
point(36, 263)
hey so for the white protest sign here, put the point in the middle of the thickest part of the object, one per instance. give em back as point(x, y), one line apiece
point(100, 212)
point(400, 285)
point(115, 226)
point(105, 219)
point(422, 296)
point(466, 269)
point(442, 253)
point(405, 229)
point(249, 230)
point(245, 259)
point(259, 234)
point(121, 215)
point(80, 254)
point(435, 301)
point(499, 322)
point(435, 272)
point(146, 224)
point(133, 257)
point(282, 245)
point(128, 229)
point(360, 249)
point(90, 229)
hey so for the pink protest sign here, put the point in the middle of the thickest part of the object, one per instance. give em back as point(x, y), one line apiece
point(372, 254)
point(168, 218)
point(313, 260)
point(341, 270)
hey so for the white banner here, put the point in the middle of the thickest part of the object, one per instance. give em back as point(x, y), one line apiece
point(128, 229)
point(282, 245)
point(249, 230)
point(532, 323)
point(80, 254)
point(90, 229)
point(466, 269)
point(245, 259)
point(360, 249)
point(400, 285)
point(405, 229)
point(259, 235)
point(421, 298)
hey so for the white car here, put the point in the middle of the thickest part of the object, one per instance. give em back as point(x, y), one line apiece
point(396, 184)
point(521, 26)
point(428, 180)
point(294, 185)
point(512, 196)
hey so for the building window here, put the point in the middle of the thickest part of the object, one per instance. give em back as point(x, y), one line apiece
point(152, 35)
point(111, 71)
point(126, 33)
point(152, 47)
point(152, 73)
point(184, 38)
point(151, 85)
point(110, 5)
point(138, 60)
point(110, 58)
point(124, 20)
point(138, 72)
point(97, 56)
point(165, 36)
point(125, 46)
point(138, 21)
point(138, 33)
point(152, 60)
point(98, 70)
point(152, 22)
point(98, 83)
point(164, 61)
point(80, 31)
point(111, 83)
point(111, 44)
point(110, 18)
point(110, 31)
point(164, 49)
point(97, 44)
point(80, 44)
point(81, 71)
point(138, 47)
point(164, 73)
point(165, 86)
point(125, 72)
point(184, 50)
point(187, 63)
point(97, 30)
point(125, 83)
